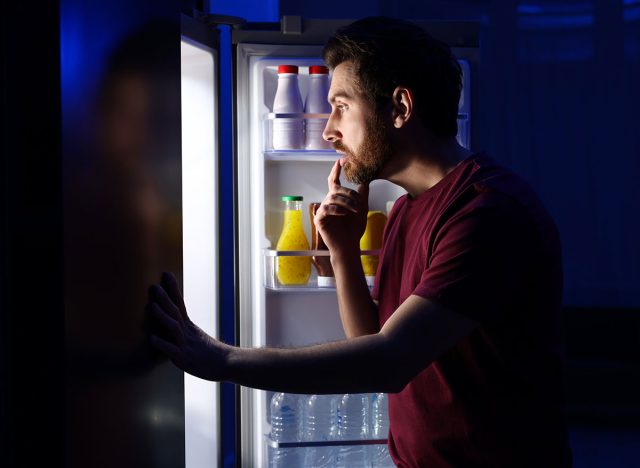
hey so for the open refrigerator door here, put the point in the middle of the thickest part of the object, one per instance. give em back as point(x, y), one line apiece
point(282, 315)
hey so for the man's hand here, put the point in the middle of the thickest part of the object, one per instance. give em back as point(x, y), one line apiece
point(181, 340)
point(342, 217)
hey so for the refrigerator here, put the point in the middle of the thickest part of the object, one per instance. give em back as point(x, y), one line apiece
point(270, 314)
point(161, 194)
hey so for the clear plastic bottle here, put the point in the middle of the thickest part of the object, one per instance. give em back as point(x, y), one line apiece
point(316, 103)
point(286, 426)
point(287, 132)
point(321, 425)
point(380, 457)
point(353, 424)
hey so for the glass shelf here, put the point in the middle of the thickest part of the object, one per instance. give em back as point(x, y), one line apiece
point(326, 443)
point(301, 155)
point(271, 116)
point(309, 253)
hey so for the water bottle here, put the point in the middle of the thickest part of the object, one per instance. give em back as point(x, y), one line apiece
point(380, 457)
point(316, 103)
point(287, 132)
point(353, 424)
point(286, 426)
point(321, 424)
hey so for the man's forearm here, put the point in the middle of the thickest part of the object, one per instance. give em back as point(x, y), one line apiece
point(356, 365)
point(358, 312)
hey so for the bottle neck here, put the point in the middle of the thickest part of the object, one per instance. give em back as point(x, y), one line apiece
point(290, 205)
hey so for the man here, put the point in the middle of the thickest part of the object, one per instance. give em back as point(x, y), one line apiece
point(463, 327)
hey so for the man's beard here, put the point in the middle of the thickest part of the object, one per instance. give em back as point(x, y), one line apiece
point(364, 165)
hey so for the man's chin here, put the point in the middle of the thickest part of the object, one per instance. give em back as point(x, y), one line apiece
point(356, 177)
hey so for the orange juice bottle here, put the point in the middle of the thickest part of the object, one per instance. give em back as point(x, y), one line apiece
point(372, 240)
point(293, 270)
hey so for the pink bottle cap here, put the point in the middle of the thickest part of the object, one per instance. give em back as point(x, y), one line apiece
point(318, 70)
point(288, 69)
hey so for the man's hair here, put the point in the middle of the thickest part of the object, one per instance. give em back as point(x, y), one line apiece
point(387, 53)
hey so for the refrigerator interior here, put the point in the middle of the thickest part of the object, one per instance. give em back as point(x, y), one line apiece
point(200, 239)
point(272, 315)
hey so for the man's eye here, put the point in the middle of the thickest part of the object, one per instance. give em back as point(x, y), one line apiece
point(341, 108)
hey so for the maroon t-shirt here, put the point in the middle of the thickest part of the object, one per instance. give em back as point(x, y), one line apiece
point(481, 244)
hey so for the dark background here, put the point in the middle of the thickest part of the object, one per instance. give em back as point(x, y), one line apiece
point(558, 84)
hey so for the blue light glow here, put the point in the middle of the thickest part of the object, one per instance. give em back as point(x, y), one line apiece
point(251, 10)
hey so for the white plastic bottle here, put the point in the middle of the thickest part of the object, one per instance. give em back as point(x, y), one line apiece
point(287, 132)
point(353, 424)
point(286, 426)
point(380, 457)
point(316, 103)
point(321, 425)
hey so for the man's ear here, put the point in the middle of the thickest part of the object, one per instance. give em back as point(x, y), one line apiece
point(402, 102)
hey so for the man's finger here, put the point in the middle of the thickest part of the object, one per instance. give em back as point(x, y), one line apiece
point(158, 295)
point(170, 284)
point(350, 204)
point(363, 190)
point(164, 346)
point(336, 210)
point(170, 325)
point(334, 175)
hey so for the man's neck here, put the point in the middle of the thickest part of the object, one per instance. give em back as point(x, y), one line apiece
point(420, 168)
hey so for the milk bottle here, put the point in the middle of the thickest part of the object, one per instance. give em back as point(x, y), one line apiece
point(316, 103)
point(287, 132)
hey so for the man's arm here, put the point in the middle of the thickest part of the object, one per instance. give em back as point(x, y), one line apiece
point(341, 221)
point(415, 335)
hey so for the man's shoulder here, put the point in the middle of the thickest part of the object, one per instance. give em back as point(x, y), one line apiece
point(492, 185)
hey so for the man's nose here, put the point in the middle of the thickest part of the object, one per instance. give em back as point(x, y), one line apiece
point(330, 132)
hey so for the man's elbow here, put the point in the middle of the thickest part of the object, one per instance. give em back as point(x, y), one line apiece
point(396, 377)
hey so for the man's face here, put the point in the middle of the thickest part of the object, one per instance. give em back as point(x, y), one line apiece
point(355, 129)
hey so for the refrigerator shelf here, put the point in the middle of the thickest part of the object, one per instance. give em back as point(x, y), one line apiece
point(301, 155)
point(309, 253)
point(270, 264)
point(326, 443)
point(272, 116)
point(310, 287)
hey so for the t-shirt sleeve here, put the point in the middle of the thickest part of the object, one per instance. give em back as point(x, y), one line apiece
point(477, 261)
